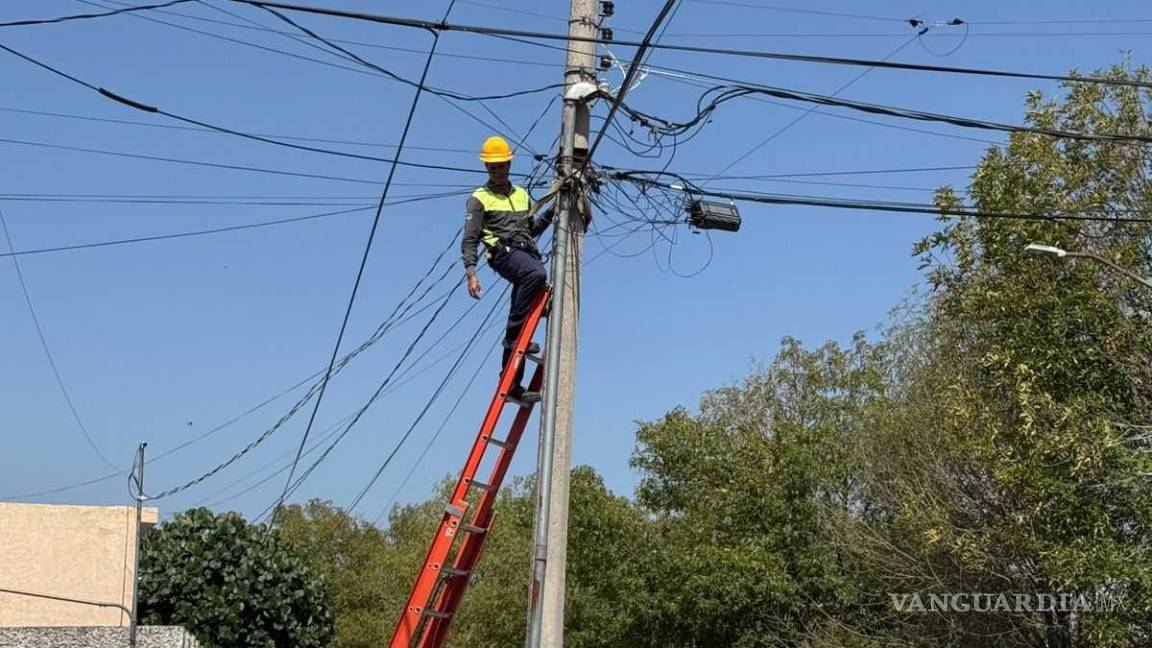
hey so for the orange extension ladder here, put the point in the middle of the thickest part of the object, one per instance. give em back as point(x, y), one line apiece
point(440, 587)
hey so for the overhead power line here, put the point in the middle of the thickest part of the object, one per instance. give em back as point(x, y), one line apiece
point(688, 188)
point(399, 314)
point(835, 14)
point(220, 230)
point(633, 68)
point(783, 129)
point(236, 167)
point(403, 313)
point(720, 94)
point(420, 87)
point(780, 56)
point(359, 68)
point(427, 405)
point(60, 19)
point(392, 48)
point(48, 351)
point(291, 486)
point(963, 167)
point(408, 374)
point(195, 122)
point(677, 75)
point(197, 129)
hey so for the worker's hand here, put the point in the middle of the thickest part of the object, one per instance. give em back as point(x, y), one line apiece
point(474, 286)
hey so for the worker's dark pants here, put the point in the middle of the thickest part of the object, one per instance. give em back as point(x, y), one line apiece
point(525, 271)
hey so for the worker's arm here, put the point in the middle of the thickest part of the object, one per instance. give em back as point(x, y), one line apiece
point(541, 222)
point(473, 225)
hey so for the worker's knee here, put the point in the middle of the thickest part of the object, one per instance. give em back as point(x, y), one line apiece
point(536, 275)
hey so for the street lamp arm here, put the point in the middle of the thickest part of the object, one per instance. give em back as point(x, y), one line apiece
point(1115, 266)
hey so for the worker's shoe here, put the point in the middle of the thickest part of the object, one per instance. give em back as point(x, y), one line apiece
point(533, 348)
point(522, 396)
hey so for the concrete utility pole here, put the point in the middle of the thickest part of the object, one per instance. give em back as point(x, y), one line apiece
point(550, 553)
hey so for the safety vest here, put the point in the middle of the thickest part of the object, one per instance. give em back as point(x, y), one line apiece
point(502, 209)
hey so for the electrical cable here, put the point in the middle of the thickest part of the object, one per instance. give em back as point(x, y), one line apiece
point(392, 322)
point(633, 67)
point(914, 208)
point(346, 55)
point(680, 76)
point(798, 58)
point(363, 68)
point(234, 167)
point(439, 430)
point(965, 167)
point(781, 130)
point(49, 21)
point(395, 318)
point(357, 70)
point(446, 97)
point(428, 404)
point(215, 230)
point(330, 431)
point(747, 5)
point(196, 129)
point(291, 486)
point(363, 263)
point(725, 93)
point(47, 350)
point(131, 103)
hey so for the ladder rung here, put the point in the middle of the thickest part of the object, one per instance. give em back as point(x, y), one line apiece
point(471, 528)
point(453, 571)
point(437, 615)
point(498, 443)
point(483, 486)
point(538, 359)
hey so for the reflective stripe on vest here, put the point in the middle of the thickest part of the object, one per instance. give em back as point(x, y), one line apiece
point(490, 239)
point(492, 201)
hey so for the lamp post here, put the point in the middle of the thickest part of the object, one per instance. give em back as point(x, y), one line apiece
point(1035, 248)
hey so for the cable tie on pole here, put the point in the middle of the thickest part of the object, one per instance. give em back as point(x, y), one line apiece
point(128, 102)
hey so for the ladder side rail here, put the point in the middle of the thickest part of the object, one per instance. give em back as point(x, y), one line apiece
point(473, 544)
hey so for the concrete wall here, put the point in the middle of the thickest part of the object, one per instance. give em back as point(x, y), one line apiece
point(147, 637)
point(83, 552)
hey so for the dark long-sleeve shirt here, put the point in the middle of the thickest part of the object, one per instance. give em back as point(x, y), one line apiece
point(495, 218)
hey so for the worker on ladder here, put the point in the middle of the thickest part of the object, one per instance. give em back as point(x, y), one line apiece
point(500, 216)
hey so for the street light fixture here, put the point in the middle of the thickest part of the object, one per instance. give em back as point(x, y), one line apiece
point(1044, 249)
point(1035, 248)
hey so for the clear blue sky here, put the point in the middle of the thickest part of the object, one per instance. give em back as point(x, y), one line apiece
point(162, 341)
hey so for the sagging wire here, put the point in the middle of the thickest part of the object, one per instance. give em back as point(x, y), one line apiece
point(626, 209)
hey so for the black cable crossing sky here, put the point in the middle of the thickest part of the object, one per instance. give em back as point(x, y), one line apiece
point(688, 188)
point(363, 263)
point(780, 56)
point(48, 352)
point(114, 12)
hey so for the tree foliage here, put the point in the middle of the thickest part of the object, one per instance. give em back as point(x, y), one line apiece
point(232, 584)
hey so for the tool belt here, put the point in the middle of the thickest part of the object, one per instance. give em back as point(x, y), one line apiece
point(504, 247)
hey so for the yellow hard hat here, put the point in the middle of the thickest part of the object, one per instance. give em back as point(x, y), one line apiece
point(495, 149)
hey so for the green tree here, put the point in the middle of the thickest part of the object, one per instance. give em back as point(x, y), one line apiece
point(1015, 455)
point(232, 584)
point(738, 493)
point(368, 570)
